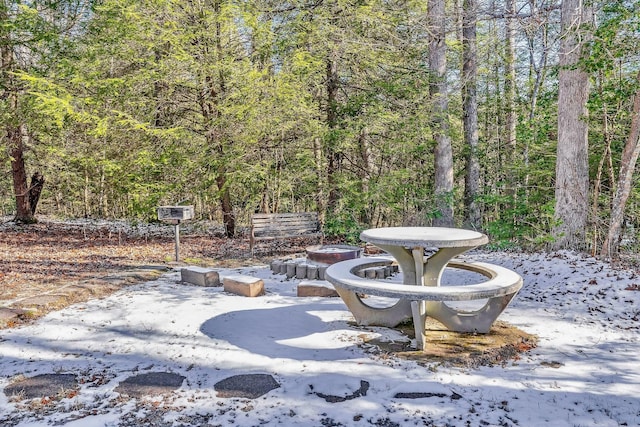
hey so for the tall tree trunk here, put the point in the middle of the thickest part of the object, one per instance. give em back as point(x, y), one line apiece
point(35, 189)
point(630, 154)
point(572, 168)
point(364, 175)
point(472, 215)
point(510, 78)
point(333, 156)
point(443, 157)
point(13, 130)
point(321, 200)
point(228, 216)
point(512, 164)
point(24, 213)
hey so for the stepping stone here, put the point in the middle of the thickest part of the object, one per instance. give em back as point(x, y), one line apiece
point(40, 386)
point(200, 276)
point(247, 286)
point(152, 383)
point(418, 395)
point(316, 288)
point(249, 386)
point(362, 391)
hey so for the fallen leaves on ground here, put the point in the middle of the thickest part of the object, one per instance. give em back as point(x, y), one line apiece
point(40, 258)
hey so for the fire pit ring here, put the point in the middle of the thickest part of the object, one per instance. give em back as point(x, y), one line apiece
point(330, 254)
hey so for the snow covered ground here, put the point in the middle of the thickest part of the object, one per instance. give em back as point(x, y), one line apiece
point(584, 372)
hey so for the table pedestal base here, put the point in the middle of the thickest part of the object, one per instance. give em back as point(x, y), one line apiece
point(373, 316)
point(478, 321)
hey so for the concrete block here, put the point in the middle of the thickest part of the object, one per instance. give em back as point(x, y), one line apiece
point(316, 288)
point(321, 270)
point(291, 269)
point(247, 286)
point(276, 265)
point(301, 271)
point(200, 276)
point(312, 271)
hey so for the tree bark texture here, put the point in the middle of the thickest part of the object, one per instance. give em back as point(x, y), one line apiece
point(473, 215)
point(443, 157)
point(13, 129)
point(625, 178)
point(364, 174)
point(24, 213)
point(333, 156)
point(572, 168)
point(228, 216)
point(214, 88)
point(510, 79)
point(35, 189)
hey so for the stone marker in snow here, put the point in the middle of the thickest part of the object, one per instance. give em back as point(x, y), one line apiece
point(247, 286)
point(200, 276)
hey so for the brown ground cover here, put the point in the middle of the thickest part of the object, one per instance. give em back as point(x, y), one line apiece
point(48, 258)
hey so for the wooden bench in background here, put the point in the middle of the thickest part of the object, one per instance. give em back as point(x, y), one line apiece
point(284, 225)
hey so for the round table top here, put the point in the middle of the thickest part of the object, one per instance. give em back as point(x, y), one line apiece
point(440, 237)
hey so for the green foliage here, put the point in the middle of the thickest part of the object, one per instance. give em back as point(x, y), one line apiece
point(150, 102)
point(518, 224)
point(344, 227)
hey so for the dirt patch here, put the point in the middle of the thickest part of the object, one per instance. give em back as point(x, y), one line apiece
point(503, 343)
point(45, 386)
point(52, 264)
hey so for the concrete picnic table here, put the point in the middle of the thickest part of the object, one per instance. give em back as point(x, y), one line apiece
point(408, 244)
point(421, 293)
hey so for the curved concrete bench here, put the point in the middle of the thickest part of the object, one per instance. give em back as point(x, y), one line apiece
point(423, 301)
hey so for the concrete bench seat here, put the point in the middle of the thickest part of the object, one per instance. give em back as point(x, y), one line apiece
point(422, 301)
point(200, 276)
point(316, 288)
point(247, 286)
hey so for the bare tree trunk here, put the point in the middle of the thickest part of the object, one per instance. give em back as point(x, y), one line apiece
point(213, 87)
point(85, 198)
point(630, 154)
point(510, 106)
point(333, 156)
point(13, 129)
point(322, 184)
point(443, 158)
point(473, 217)
point(364, 174)
point(572, 168)
point(228, 217)
point(510, 78)
point(35, 189)
point(24, 213)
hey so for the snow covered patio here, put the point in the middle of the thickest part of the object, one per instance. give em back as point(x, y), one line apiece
point(584, 371)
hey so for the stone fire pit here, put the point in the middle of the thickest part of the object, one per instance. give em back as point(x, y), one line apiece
point(319, 258)
point(330, 254)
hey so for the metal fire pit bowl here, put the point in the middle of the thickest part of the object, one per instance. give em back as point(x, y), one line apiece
point(330, 254)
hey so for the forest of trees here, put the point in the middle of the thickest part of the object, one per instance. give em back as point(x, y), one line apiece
point(517, 117)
